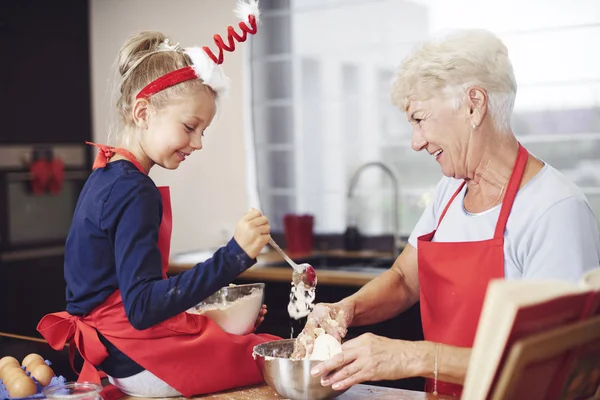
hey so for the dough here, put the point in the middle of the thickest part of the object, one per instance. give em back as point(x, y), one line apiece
point(326, 346)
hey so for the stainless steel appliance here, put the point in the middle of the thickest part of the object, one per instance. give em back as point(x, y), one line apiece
point(34, 225)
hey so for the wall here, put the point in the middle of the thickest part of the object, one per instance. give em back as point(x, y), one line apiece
point(209, 189)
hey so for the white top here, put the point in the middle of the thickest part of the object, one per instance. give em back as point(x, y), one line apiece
point(551, 232)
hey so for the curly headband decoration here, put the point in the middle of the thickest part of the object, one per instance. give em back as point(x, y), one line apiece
point(231, 35)
point(205, 65)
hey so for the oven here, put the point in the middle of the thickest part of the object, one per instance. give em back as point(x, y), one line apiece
point(34, 217)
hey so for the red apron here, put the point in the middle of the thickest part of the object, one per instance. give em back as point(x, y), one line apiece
point(187, 341)
point(454, 278)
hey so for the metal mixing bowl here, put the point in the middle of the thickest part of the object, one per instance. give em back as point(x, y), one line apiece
point(290, 378)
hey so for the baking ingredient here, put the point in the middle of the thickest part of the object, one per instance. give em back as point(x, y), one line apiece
point(302, 299)
point(33, 364)
point(325, 347)
point(30, 358)
point(21, 386)
point(8, 360)
point(237, 317)
point(16, 381)
point(43, 374)
point(8, 372)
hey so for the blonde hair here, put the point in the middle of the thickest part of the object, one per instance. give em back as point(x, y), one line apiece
point(449, 66)
point(140, 61)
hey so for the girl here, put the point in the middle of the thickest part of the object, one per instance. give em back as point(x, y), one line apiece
point(123, 314)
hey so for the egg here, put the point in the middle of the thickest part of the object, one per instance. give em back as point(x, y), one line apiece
point(11, 373)
point(8, 370)
point(23, 386)
point(8, 360)
point(43, 374)
point(33, 364)
point(31, 357)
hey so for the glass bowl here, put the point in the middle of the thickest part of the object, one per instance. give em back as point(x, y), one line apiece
point(73, 391)
point(235, 308)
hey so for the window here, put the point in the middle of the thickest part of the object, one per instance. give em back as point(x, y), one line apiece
point(322, 70)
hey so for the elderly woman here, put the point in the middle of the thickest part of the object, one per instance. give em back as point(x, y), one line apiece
point(498, 212)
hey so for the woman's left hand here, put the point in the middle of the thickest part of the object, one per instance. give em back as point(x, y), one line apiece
point(368, 358)
point(261, 316)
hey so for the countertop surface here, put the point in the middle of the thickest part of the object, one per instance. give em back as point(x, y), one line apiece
point(261, 271)
point(354, 393)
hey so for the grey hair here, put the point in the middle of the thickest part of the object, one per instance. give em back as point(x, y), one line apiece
point(450, 65)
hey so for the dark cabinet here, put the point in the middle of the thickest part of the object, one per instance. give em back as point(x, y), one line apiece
point(30, 289)
point(45, 71)
point(406, 326)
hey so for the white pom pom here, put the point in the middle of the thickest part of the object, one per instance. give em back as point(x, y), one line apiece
point(211, 74)
point(244, 8)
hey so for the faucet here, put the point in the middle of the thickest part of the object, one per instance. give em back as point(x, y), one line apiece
point(396, 246)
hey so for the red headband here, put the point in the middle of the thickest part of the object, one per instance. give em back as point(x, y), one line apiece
point(167, 80)
point(188, 73)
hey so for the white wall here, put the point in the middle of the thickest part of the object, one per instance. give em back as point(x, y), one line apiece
point(208, 191)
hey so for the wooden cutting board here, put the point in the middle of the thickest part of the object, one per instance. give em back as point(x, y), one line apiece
point(355, 393)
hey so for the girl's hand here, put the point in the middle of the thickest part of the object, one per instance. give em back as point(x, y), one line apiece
point(261, 316)
point(252, 233)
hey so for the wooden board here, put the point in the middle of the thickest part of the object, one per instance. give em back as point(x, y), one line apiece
point(355, 393)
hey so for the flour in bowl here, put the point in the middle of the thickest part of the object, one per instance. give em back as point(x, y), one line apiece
point(237, 317)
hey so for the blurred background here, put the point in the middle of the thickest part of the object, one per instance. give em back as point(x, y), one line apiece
point(321, 72)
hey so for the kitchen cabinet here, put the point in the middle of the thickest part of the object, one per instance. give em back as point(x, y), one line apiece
point(406, 326)
point(45, 71)
point(29, 289)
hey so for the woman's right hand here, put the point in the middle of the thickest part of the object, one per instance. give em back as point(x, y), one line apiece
point(333, 318)
point(252, 232)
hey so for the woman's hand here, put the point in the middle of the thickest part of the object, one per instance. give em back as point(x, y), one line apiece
point(333, 318)
point(261, 316)
point(369, 358)
point(252, 232)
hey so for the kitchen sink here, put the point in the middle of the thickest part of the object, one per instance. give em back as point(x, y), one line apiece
point(341, 263)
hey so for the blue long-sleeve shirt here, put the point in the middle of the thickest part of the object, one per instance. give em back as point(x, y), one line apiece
point(112, 244)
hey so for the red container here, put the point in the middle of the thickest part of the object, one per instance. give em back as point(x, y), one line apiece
point(298, 232)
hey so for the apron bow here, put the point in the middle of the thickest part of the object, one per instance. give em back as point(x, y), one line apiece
point(105, 153)
point(62, 328)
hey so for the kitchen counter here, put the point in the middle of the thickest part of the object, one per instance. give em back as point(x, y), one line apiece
point(261, 271)
point(355, 393)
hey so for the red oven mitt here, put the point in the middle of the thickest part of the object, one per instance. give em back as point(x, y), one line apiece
point(57, 175)
point(40, 175)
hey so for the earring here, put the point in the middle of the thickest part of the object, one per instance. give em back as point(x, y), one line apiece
point(474, 126)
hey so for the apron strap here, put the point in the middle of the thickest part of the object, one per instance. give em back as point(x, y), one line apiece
point(511, 191)
point(105, 153)
point(450, 202)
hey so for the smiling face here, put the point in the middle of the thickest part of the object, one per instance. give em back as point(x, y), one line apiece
point(444, 132)
point(175, 131)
